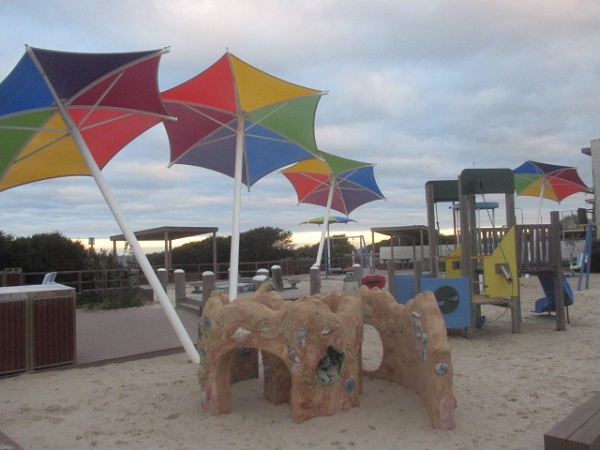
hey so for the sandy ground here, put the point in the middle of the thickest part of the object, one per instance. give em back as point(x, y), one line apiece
point(510, 390)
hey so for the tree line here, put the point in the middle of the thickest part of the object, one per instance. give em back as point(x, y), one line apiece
point(50, 252)
point(53, 252)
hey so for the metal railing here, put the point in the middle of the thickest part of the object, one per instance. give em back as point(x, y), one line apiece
point(83, 280)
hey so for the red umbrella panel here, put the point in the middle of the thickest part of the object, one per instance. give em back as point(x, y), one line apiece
point(67, 113)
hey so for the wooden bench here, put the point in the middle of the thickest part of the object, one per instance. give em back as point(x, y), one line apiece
point(293, 282)
point(579, 430)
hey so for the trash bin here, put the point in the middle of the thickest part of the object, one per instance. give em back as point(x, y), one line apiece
point(372, 281)
point(13, 323)
point(349, 272)
point(41, 320)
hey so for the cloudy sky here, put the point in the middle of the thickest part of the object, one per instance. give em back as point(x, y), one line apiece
point(421, 89)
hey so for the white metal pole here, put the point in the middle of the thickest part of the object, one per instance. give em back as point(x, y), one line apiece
point(164, 300)
point(237, 210)
point(325, 220)
point(142, 260)
point(542, 192)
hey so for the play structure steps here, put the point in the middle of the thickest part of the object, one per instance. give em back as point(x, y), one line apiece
point(190, 305)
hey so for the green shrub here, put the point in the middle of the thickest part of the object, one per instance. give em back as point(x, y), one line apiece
point(103, 299)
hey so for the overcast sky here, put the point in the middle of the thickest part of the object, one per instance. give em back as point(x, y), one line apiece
point(421, 89)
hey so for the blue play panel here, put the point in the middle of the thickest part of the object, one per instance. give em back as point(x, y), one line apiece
point(454, 299)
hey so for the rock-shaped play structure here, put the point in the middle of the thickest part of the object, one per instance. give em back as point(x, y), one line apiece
point(416, 353)
point(311, 350)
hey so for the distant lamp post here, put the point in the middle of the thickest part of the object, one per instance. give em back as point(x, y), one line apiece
point(91, 242)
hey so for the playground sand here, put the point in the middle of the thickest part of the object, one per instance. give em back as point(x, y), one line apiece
point(510, 390)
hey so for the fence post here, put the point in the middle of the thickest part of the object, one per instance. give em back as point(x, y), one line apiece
point(391, 273)
point(315, 280)
point(163, 277)
point(209, 280)
point(277, 276)
point(350, 286)
point(358, 273)
point(179, 279)
point(264, 272)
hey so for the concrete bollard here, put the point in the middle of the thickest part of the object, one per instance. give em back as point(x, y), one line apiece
point(163, 277)
point(209, 280)
point(259, 280)
point(315, 280)
point(391, 276)
point(179, 280)
point(264, 272)
point(350, 287)
point(277, 276)
point(358, 273)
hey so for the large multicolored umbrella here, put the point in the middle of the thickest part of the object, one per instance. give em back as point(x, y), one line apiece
point(331, 219)
point(68, 114)
point(337, 183)
point(242, 122)
point(548, 181)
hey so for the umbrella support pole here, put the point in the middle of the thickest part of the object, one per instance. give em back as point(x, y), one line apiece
point(142, 260)
point(326, 230)
point(234, 259)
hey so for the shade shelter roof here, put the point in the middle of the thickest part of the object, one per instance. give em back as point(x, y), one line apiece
point(168, 234)
point(410, 232)
point(414, 233)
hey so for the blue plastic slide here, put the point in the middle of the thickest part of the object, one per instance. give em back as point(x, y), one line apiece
point(546, 304)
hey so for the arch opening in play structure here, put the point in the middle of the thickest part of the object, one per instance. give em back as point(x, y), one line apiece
point(372, 339)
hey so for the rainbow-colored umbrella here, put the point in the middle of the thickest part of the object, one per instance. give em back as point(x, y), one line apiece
point(320, 221)
point(331, 219)
point(53, 102)
point(68, 114)
point(337, 183)
point(548, 181)
point(242, 122)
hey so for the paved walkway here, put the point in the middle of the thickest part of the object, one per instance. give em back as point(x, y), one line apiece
point(122, 335)
point(126, 334)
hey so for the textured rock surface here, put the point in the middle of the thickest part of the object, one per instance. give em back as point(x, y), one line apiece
point(416, 353)
point(311, 350)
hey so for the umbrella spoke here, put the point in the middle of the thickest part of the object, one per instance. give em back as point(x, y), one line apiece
point(100, 98)
point(29, 154)
point(196, 109)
